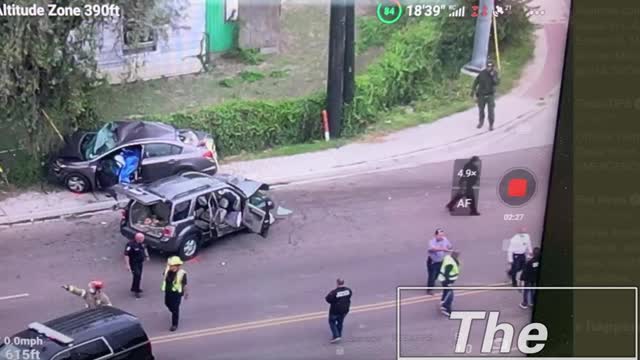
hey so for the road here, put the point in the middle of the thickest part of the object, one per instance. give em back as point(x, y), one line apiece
point(372, 230)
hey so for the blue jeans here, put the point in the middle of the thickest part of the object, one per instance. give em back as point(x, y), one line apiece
point(528, 295)
point(447, 296)
point(433, 269)
point(335, 323)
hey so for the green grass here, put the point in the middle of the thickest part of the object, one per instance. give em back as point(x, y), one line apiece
point(425, 110)
point(299, 69)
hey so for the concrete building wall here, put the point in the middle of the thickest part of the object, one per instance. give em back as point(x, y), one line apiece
point(177, 55)
point(259, 22)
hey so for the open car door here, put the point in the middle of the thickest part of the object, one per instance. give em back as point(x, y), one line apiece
point(137, 193)
point(257, 220)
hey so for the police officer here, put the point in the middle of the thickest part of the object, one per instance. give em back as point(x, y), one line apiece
point(484, 91)
point(470, 178)
point(530, 278)
point(135, 254)
point(519, 249)
point(448, 275)
point(439, 246)
point(340, 301)
point(93, 297)
point(174, 285)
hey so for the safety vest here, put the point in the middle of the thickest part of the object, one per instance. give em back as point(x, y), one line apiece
point(177, 281)
point(453, 275)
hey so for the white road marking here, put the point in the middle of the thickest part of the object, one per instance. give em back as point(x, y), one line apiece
point(10, 297)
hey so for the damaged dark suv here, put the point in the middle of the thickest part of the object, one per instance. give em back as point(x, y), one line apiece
point(180, 213)
point(132, 151)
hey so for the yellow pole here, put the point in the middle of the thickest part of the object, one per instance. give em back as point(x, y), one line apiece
point(495, 39)
point(53, 125)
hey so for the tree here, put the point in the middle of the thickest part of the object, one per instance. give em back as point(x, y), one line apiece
point(48, 66)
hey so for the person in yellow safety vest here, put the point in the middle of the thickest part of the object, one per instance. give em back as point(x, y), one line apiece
point(174, 285)
point(93, 297)
point(448, 275)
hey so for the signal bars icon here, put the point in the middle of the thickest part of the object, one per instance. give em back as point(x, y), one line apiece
point(457, 13)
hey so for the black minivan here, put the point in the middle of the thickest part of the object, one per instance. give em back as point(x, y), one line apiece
point(95, 334)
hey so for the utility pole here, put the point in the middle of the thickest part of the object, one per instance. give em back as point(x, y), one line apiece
point(335, 78)
point(349, 52)
point(481, 38)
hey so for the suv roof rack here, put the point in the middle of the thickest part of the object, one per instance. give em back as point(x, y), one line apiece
point(50, 333)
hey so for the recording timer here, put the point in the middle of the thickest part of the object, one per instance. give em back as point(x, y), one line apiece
point(425, 10)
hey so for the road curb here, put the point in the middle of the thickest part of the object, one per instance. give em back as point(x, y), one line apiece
point(77, 211)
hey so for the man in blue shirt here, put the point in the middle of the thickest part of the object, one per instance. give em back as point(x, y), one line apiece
point(439, 247)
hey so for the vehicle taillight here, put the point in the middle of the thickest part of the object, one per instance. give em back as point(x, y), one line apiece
point(209, 154)
point(168, 231)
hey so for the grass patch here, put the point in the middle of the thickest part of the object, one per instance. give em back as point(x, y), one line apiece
point(425, 110)
point(289, 150)
point(246, 56)
point(279, 74)
point(250, 76)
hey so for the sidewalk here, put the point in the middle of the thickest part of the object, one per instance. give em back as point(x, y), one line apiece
point(520, 115)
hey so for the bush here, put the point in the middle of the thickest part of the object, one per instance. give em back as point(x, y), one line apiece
point(256, 125)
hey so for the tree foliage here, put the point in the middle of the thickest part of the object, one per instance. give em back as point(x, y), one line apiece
point(48, 65)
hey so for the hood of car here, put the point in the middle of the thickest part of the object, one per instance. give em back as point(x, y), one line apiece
point(72, 151)
point(247, 186)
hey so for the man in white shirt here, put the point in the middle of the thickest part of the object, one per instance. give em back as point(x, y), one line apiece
point(519, 248)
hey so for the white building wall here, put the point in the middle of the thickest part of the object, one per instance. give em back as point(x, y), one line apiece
point(177, 55)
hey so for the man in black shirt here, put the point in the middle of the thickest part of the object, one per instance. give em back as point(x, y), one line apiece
point(135, 254)
point(174, 285)
point(340, 300)
point(484, 91)
point(530, 278)
point(468, 179)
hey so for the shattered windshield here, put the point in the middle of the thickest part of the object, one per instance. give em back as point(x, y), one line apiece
point(104, 141)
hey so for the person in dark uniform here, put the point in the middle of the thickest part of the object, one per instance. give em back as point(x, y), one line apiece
point(135, 254)
point(469, 179)
point(174, 285)
point(340, 301)
point(484, 91)
point(530, 277)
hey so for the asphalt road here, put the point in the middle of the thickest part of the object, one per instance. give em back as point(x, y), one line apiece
point(253, 297)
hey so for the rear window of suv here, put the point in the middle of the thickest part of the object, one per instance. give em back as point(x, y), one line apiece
point(156, 215)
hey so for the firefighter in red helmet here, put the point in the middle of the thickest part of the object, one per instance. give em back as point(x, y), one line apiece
point(93, 297)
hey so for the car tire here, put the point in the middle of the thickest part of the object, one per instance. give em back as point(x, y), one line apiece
point(189, 247)
point(77, 183)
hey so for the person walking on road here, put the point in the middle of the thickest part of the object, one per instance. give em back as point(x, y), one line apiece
point(470, 178)
point(484, 91)
point(340, 301)
point(135, 254)
point(93, 297)
point(519, 248)
point(439, 246)
point(448, 275)
point(174, 285)
point(530, 278)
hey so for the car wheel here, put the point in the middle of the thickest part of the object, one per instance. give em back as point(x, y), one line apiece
point(77, 183)
point(189, 247)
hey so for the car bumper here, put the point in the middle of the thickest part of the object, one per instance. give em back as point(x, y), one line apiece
point(152, 242)
point(210, 170)
point(55, 174)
